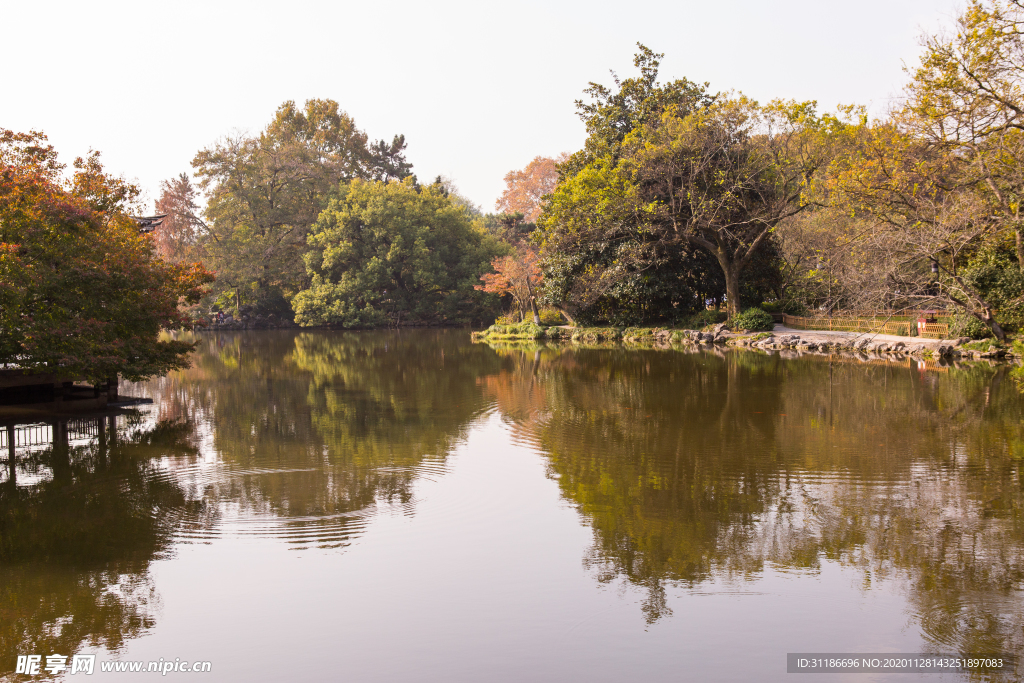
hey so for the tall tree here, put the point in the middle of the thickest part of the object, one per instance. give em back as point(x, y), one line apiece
point(387, 160)
point(179, 234)
point(966, 98)
point(264, 192)
point(724, 177)
point(669, 171)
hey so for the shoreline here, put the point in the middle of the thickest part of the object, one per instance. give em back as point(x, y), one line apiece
point(780, 338)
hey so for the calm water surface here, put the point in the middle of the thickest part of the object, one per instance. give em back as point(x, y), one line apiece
point(411, 507)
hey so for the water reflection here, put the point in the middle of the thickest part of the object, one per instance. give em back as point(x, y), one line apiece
point(698, 466)
point(314, 431)
point(691, 468)
point(84, 510)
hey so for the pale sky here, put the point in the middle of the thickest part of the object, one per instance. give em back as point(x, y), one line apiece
point(478, 88)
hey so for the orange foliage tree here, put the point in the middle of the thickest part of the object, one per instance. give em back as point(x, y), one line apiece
point(179, 234)
point(515, 275)
point(82, 292)
point(525, 189)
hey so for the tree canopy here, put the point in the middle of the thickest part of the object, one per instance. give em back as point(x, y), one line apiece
point(265, 191)
point(923, 204)
point(525, 190)
point(82, 291)
point(669, 176)
point(389, 252)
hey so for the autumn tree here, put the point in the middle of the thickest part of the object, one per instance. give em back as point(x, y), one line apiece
point(517, 275)
point(84, 292)
point(966, 99)
point(922, 220)
point(937, 184)
point(179, 235)
point(525, 190)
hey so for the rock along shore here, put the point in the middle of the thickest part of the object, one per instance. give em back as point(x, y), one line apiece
point(778, 339)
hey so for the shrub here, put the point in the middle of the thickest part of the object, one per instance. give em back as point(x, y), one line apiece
point(550, 316)
point(788, 306)
point(638, 334)
point(966, 325)
point(525, 330)
point(752, 319)
point(592, 335)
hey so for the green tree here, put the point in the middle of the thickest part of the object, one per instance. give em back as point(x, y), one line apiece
point(669, 176)
point(83, 292)
point(724, 177)
point(393, 252)
point(264, 192)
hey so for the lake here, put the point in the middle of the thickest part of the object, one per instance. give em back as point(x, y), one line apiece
point(408, 506)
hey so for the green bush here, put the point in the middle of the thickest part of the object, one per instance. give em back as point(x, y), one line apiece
point(550, 316)
point(752, 319)
point(787, 306)
point(638, 334)
point(966, 325)
point(526, 330)
point(592, 335)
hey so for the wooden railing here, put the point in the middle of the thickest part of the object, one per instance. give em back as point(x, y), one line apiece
point(903, 326)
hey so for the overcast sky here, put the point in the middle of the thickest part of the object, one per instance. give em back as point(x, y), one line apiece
point(478, 88)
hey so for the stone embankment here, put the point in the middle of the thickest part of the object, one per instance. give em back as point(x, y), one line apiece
point(881, 344)
point(778, 339)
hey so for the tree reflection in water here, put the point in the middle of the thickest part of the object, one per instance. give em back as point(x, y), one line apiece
point(76, 541)
point(308, 431)
point(690, 467)
point(693, 467)
point(317, 427)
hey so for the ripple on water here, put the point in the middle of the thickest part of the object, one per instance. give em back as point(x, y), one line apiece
point(251, 502)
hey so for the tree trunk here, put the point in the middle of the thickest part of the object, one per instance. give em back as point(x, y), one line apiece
point(990, 320)
point(533, 302)
point(732, 289)
point(566, 314)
